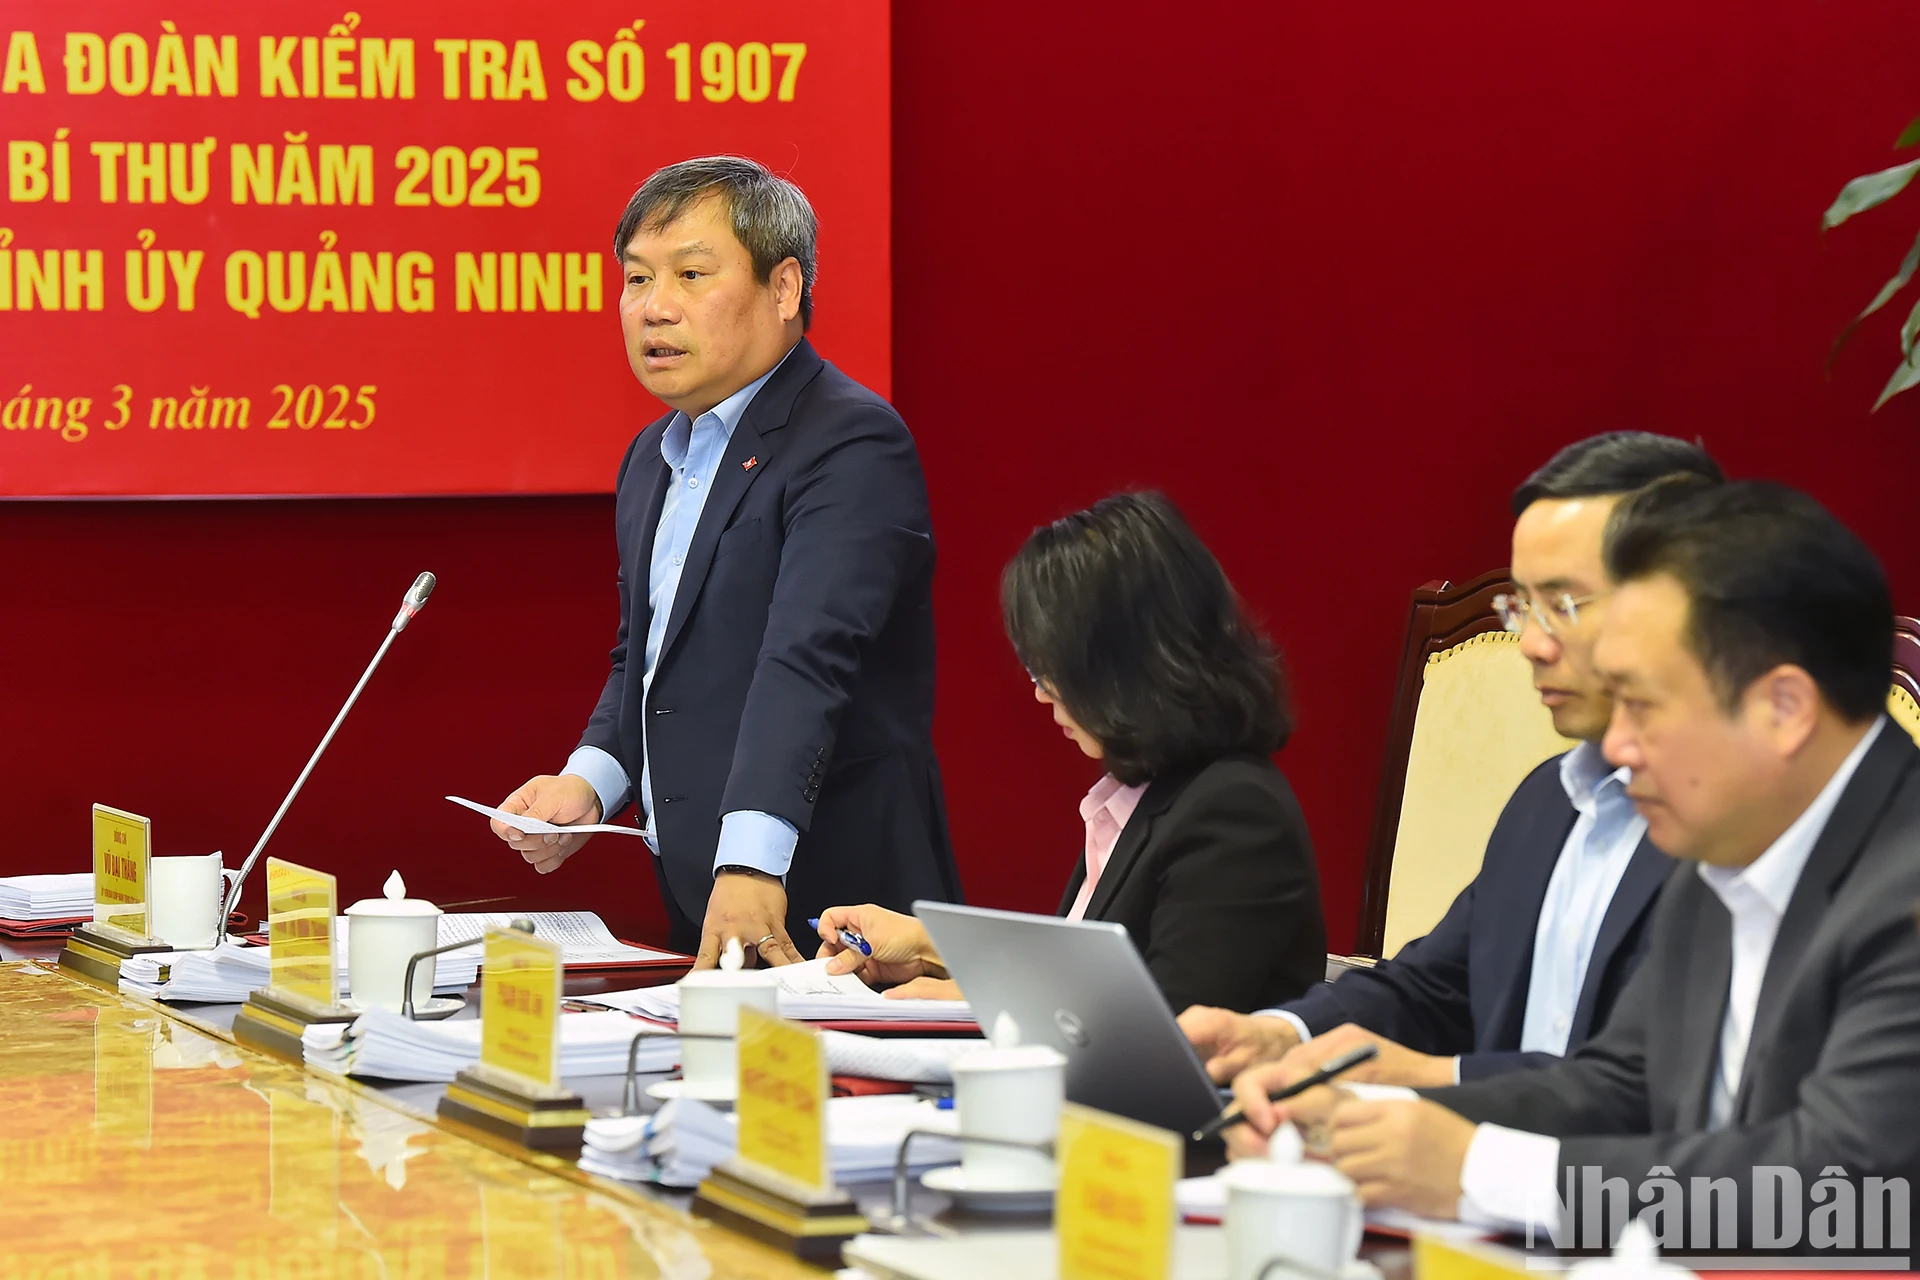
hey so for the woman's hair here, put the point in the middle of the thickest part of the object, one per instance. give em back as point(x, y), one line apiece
point(1127, 619)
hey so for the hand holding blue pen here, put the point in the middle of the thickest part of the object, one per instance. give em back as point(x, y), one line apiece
point(848, 938)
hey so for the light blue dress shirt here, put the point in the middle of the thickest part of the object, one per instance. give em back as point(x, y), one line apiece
point(692, 451)
point(1606, 831)
point(1595, 856)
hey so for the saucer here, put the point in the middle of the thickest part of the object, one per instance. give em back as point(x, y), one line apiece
point(951, 1181)
point(667, 1090)
point(432, 1011)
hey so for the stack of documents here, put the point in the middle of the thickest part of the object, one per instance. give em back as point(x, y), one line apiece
point(808, 993)
point(386, 1046)
point(679, 1144)
point(234, 970)
point(894, 1058)
point(583, 936)
point(61, 897)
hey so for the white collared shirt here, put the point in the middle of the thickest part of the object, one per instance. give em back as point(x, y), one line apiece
point(1508, 1177)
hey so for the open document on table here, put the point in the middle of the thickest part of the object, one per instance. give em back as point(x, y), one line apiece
point(807, 993)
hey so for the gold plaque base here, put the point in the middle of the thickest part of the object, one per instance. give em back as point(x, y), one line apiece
point(93, 954)
point(556, 1125)
point(272, 1024)
point(811, 1227)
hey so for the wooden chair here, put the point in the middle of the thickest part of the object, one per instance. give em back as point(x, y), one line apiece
point(1467, 727)
point(1903, 700)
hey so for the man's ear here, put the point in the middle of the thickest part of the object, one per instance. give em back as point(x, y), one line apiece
point(1786, 701)
point(787, 283)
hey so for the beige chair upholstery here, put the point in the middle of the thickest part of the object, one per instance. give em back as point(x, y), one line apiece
point(1479, 729)
point(1905, 711)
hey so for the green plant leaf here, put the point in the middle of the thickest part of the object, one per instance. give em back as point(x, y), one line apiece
point(1909, 135)
point(1906, 376)
point(1868, 191)
point(1908, 265)
point(1909, 331)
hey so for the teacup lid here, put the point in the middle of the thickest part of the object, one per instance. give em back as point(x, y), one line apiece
point(1009, 1058)
point(731, 974)
point(395, 903)
point(1308, 1177)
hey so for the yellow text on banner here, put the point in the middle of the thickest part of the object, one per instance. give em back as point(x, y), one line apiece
point(783, 1099)
point(520, 986)
point(1114, 1211)
point(120, 851)
point(300, 910)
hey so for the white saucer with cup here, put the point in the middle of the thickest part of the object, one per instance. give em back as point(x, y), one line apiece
point(1288, 1208)
point(184, 896)
point(1013, 1092)
point(385, 934)
point(710, 1003)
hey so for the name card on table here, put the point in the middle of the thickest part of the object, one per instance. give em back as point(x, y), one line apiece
point(1438, 1259)
point(120, 855)
point(1114, 1212)
point(520, 988)
point(783, 1099)
point(300, 911)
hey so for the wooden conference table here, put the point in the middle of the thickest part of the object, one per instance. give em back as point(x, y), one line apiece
point(140, 1141)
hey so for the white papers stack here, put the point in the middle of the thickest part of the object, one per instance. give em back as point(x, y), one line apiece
point(234, 970)
point(583, 936)
point(808, 993)
point(679, 1144)
point(386, 1046)
point(894, 1058)
point(46, 897)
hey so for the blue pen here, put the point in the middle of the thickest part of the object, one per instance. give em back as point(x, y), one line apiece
point(848, 938)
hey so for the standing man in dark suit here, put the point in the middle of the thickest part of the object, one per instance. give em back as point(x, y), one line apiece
point(1529, 959)
point(770, 706)
point(1770, 1040)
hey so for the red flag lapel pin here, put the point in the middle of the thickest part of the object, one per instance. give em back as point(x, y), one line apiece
point(750, 463)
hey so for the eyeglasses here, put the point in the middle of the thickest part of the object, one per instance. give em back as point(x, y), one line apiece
point(1565, 610)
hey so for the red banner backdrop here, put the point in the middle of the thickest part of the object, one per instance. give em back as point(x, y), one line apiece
point(287, 250)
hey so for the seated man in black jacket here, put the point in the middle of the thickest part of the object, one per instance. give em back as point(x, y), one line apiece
point(1527, 962)
point(1756, 1085)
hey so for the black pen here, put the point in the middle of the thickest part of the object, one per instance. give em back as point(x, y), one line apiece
point(1345, 1062)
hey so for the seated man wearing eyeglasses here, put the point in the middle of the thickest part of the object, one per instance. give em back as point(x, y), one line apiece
point(1526, 964)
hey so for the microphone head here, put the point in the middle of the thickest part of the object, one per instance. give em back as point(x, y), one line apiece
point(416, 599)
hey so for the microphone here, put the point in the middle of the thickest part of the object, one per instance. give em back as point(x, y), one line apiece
point(415, 600)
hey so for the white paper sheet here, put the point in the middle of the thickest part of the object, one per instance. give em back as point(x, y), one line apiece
point(807, 993)
point(535, 827)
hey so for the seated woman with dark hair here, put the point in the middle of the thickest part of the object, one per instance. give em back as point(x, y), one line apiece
point(1132, 634)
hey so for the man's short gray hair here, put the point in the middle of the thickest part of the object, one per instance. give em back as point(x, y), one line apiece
point(771, 216)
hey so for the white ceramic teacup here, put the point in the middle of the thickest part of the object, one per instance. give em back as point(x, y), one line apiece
point(710, 1003)
point(384, 935)
point(1303, 1212)
point(1012, 1093)
point(184, 900)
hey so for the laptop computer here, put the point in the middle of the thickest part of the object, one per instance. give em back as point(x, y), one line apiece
point(1080, 986)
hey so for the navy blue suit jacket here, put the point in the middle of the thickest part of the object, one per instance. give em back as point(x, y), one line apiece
point(796, 673)
point(1462, 989)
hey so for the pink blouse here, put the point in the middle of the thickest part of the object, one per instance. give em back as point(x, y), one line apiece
point(1105, 809)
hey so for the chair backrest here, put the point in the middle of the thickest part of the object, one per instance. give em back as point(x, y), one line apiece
point(1467, 727)
point(1903, 700)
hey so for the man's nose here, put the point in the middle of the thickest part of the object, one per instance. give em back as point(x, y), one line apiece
point(661, 306)
point(1536, 645)
point(1619, 746)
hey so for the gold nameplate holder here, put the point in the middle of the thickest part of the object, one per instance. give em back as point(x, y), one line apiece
point(303, 983)
point(779, 1188)
point(121, 848)
point(514, 1091)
